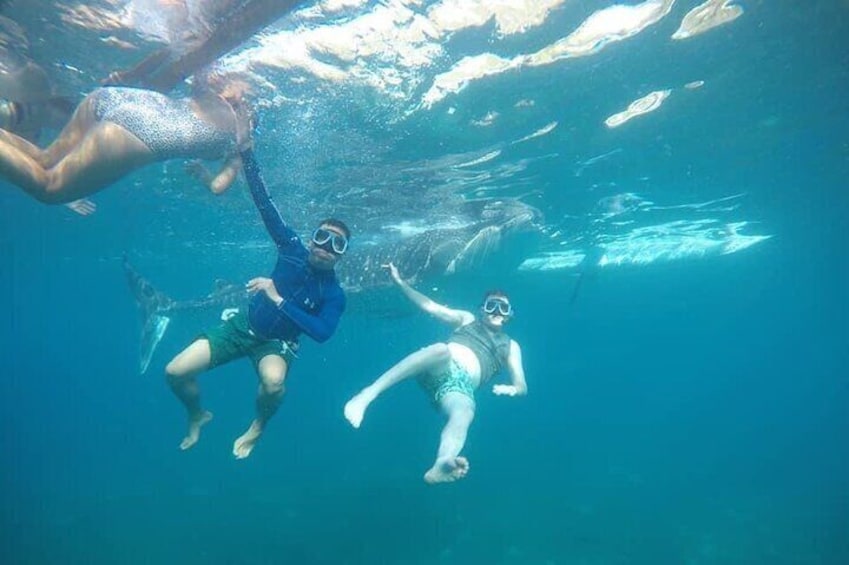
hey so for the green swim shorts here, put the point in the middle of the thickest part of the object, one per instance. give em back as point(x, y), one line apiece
point(453, 379)
point(233, 339)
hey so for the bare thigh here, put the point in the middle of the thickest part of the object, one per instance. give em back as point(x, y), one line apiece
point(106, 154)
point(458, 406)
point(194, 359)
point(74, 131)
point(432, 360)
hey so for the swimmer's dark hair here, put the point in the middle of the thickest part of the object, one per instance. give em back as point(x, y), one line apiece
point(338, 224)
point(495, 293)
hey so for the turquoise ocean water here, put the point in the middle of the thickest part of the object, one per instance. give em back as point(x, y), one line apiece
point(688, 407)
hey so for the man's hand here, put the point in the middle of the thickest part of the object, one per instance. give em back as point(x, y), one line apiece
point(244, 125)
point(504, 390)
point(393, 272)
point(266, 285)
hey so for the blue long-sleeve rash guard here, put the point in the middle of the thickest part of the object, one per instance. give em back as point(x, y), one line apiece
point(313, 300)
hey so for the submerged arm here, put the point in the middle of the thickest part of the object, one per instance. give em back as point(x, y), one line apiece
point(318, 326)
point(518, 386)
point(222, 180)
point(447, 315)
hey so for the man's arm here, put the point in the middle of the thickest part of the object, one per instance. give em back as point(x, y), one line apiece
point(517, 374)
point(277, 228)
point(321, 326)
point(447, 315)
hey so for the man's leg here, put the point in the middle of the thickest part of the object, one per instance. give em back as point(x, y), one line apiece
point(181, 374)
point(427, 359)
point(272, 371)
point(449, 466)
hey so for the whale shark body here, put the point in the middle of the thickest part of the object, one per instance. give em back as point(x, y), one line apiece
point(491, 238)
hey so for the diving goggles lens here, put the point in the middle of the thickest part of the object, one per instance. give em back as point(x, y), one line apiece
point(502, 306)
point(338, 242)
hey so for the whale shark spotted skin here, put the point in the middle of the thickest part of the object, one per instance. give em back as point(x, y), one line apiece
point(496, 229)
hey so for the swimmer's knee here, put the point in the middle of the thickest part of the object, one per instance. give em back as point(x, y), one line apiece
point(194, 359)
point(48, 192)
point(174, 370)
point(272, 370)
point(178, 368)
point(274, 386)
point(462, 412)
point(273, 383)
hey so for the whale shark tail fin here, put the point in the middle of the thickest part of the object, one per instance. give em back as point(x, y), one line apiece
point(152, 332)
point(153, 307)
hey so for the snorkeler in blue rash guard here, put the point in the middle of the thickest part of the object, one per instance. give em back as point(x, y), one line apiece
point(314, 301)
point(301, 296)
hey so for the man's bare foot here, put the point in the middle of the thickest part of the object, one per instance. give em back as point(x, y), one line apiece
point(355, 409)
point(243, 446)
point(447, 471)
point(195, 425)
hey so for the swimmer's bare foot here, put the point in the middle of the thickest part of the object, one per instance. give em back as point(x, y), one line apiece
point(447, 471)
point(243, 446)
point(355, 409)
point(195, 425)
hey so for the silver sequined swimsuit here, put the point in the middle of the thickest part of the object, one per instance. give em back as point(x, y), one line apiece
point(166, 125)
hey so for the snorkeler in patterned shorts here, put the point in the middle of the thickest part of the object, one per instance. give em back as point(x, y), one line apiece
point(451, 372)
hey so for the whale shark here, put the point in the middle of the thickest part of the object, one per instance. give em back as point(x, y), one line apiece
point(488, 234)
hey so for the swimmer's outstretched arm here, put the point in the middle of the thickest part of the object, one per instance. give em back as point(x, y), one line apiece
point(443, 313)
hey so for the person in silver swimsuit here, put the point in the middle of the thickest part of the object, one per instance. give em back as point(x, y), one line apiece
point(116, 130)
point(452, 372)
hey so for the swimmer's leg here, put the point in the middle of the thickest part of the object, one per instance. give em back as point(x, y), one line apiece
point(427, 359)
point(449, 466)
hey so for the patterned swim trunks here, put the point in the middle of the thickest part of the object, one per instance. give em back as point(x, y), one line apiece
point(453, 379)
